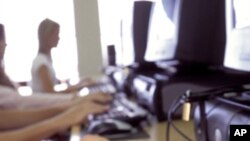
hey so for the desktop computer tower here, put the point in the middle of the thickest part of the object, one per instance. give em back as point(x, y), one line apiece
point(156, 90)
point(219, 117)
point(177, 85)
point(146, 88)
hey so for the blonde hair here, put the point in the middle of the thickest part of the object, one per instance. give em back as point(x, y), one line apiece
point(45, 29)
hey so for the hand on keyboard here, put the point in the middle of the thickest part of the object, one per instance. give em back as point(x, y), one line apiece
point(99, 98)
point(78, 113)
point(93, 138)
point(124, 110)
point(121, 107)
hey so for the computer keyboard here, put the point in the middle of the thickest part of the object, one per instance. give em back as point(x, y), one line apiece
point(121, 107)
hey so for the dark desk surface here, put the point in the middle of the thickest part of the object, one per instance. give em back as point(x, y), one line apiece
point(157, 132)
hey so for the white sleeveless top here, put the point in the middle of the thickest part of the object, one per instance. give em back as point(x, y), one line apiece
point(39, 61)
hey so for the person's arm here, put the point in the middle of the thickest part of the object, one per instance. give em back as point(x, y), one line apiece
point(11, 99)
point(48, 85)
point(84, 82)
point(16, 118)
point(46, 128)
point(35, 132)
point(93, 138)
point(44, 75)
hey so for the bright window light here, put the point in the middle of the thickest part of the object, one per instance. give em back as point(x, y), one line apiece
point(21, 19)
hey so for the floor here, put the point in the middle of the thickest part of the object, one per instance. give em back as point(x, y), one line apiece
point(157, 131)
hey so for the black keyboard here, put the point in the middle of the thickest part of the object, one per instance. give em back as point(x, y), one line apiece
point(241, 99)
point(124, 110)
point(121, 107)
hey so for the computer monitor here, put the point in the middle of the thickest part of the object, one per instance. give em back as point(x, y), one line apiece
point(237, 54)
point(196, 30)
point(134, 31)
point(147, 34)
point(200, 29)
point(124, 25)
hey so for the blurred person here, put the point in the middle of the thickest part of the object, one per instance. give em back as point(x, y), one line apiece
point(10, 98)
point(20, 125)
point(38, 117)
point(43, 73)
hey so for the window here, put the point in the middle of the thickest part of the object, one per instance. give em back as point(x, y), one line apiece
point(110, 16)
point(116, 23)
point(21, 19)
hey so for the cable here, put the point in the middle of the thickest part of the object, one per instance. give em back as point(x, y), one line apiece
point(168, 132)
point(173, 108)
point(231, 119)
point(169, 119)
point(174, 126)
point(202, 94)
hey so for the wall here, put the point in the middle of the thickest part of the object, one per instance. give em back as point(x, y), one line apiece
point(88, 38)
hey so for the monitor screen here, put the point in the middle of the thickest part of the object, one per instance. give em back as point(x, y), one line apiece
point(200, 30)
point(237, 54)
point(161, 34)
point(147, 33)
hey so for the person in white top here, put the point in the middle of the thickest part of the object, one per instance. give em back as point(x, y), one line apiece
point(42, 65)
point(43, 74)
point(38, 117)
point(10, 98)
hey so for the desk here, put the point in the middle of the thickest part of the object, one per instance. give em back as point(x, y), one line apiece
point(157, 132)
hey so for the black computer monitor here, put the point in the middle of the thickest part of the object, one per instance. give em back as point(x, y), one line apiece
point(237, 54)
point(134, 31)
point(200, 29)
point(196, 27)
point(147, 34)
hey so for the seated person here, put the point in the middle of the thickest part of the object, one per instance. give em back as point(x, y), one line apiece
point(43, 74)
point(9, 97)
point(37, 117)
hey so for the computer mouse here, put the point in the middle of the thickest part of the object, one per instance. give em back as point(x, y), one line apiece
point(109, 126)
